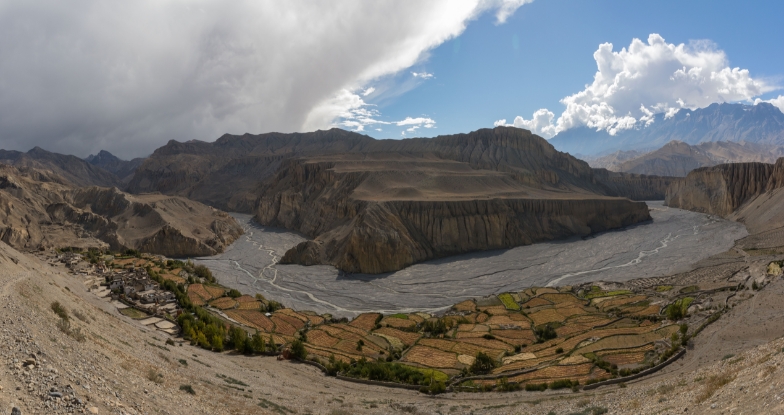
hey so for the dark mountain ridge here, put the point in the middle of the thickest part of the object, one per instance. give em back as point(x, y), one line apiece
point(123, 169)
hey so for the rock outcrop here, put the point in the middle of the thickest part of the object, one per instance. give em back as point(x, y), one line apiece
point(39, 209)
point(719, 190)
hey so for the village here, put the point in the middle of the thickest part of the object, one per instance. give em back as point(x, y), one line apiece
point(124, 281)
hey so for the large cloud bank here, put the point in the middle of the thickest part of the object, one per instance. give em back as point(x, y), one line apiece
point(631, 85)
point(127, 76)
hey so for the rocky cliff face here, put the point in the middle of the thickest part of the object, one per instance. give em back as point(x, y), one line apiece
point(38, 209)
point(362, 218)
point(388, 236)
point(634, 186)
point(722, 189)
point(201, 171)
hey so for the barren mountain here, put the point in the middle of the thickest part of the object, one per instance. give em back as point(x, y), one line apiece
point(381, 211)
point(677, 158)
point(71, 169)
point(39, 209)
point(760, 124)
point(123, 169)
point(201, 171)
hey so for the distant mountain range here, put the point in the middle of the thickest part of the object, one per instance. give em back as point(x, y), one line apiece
point(759, 124)
point(677, 158)
point(121, 168)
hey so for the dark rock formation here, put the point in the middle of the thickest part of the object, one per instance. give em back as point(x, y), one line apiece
point(123, 169)
point(634, 186)
point(70, 169)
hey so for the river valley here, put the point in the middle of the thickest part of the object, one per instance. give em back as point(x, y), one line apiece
point(669, 244)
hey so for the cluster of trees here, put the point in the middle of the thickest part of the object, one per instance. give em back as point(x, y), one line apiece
point(544, 333)
point(384, 372)
point(210, 332)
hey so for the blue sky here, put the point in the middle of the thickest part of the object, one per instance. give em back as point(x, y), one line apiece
point(78, 77)
point(544, 52)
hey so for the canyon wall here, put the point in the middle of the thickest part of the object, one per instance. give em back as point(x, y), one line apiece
point(719, 190)
point(383, 232)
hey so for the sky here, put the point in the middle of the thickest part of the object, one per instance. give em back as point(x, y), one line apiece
point(80, 76)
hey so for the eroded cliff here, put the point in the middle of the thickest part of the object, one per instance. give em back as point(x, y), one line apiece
point(719, 190)
point(382, 212)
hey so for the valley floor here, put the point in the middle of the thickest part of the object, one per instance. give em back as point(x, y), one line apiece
point(671, 243)
point(125, 368)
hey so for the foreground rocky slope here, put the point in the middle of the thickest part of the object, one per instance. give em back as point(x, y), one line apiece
point(38, 209)
point(381, 211)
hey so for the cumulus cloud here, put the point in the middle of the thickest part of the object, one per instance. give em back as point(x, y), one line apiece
point(423, 75)
point(368, 91)
point(778, 102)
point(426, 122)
point(79, 76)
point(541, 123)
point(631, 85)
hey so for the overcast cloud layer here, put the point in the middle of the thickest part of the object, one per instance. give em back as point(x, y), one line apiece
point(127, 76)
point(631, 85)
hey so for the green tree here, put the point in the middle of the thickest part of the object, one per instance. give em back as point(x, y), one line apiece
point(217, 343)
point(234, 293)
point(238, 338)
point(482, 364)
point(298, 350)
point(257, 343)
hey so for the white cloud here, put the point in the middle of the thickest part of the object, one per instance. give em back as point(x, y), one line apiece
point(647, 78)
point(426, 122)
point(778, 102)
point(368, 91)
point(129, 76)
point(541, 123)
point(507, 8)
point(423, 75)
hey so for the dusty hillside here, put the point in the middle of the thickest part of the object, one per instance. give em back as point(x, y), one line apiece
point(381, 212)
point(41, 210)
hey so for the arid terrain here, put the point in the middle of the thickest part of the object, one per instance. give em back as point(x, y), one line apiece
point(737, 359)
